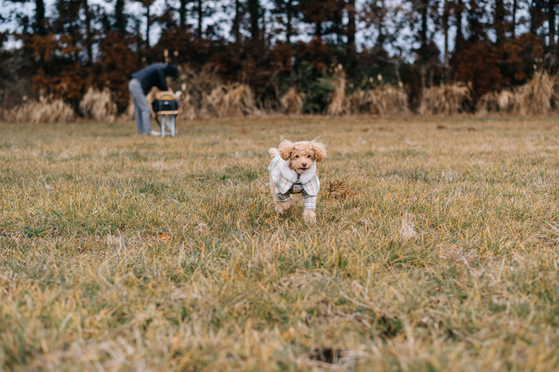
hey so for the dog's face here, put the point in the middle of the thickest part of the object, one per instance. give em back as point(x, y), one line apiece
point(302, 155)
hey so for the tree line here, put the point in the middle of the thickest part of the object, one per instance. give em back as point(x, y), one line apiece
point(273, 45)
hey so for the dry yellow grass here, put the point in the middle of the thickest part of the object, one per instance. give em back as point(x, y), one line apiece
point(44, 111)
point(339, 104)
point(444, 99)
point(387, 99)
point(234, 99)
point(539, 96)
point(292, 101)
point(99, 105)
point(121, 252)
point(383, 100)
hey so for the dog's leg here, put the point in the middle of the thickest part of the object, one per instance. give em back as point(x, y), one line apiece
point(309, 216)
point(281, 207)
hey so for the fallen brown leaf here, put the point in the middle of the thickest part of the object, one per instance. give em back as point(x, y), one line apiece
point(163, 237)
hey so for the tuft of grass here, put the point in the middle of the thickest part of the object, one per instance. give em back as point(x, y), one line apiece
point(539, 96)
point(98, 105)
point(123, 252)
point(444, 99)
point(292, 101)
point(387, 99)
point(46, 110)
point(339, 105)
point(234, 99)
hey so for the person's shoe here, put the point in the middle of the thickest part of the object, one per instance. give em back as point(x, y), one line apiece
point(155, 133)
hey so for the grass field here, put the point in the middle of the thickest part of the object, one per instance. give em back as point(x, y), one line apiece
point(128, 253)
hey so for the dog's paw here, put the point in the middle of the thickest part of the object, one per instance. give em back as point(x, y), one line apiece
point(282, 207)
point(309, 216)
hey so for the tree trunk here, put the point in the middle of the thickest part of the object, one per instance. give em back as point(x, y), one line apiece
point(182, 14)
point(120, 19)
point(499, 20)
point(423, 31)
point(551, 15)
point(289, 26)
point(40, 22)
point(254, 13)
point(351, 24)
point(237, 22)
point(148, 24)
point(459, 21)
point(445, 31)
point(88, 34)
point(318, 29)
point(514, 10)
point(200, 18)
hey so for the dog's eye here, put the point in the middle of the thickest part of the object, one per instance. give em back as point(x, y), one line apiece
point(296, 156)
point(308, 156)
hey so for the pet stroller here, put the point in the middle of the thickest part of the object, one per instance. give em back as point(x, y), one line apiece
point(166, 108)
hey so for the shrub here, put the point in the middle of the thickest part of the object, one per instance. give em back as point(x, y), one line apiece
point(317, 88)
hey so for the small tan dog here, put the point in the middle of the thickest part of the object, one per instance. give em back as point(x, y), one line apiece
point(293, 171)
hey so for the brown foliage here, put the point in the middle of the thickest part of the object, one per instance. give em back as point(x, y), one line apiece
point(117, 63)
point(477, 64)
point(339, 190)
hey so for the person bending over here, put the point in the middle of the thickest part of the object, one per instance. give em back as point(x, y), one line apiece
point(141, 84)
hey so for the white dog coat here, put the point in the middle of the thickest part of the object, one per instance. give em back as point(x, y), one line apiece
point(288, 182)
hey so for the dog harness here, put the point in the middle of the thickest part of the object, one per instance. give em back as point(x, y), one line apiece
point(288, 182)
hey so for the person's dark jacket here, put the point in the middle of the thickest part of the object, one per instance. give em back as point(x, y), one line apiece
point(154, 75)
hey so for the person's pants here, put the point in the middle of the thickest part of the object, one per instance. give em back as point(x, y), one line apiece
point(141, 107)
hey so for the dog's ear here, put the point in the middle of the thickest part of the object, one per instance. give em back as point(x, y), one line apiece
point(285, 149)
point(319, 151)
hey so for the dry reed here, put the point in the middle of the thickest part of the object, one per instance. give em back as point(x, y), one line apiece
point(539, 96)
point(387, 99)
point(535, 97)
point(233, 99)
point(44, 111)
point(99, 105)
point(444, 99)
point(292, 101)
point(196, 85)
point(358, 101)
point(339, 105)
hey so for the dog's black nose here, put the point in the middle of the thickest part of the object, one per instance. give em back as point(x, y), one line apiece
point(304, 164)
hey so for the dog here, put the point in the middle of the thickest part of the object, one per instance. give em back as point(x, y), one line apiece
point(293, 171)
